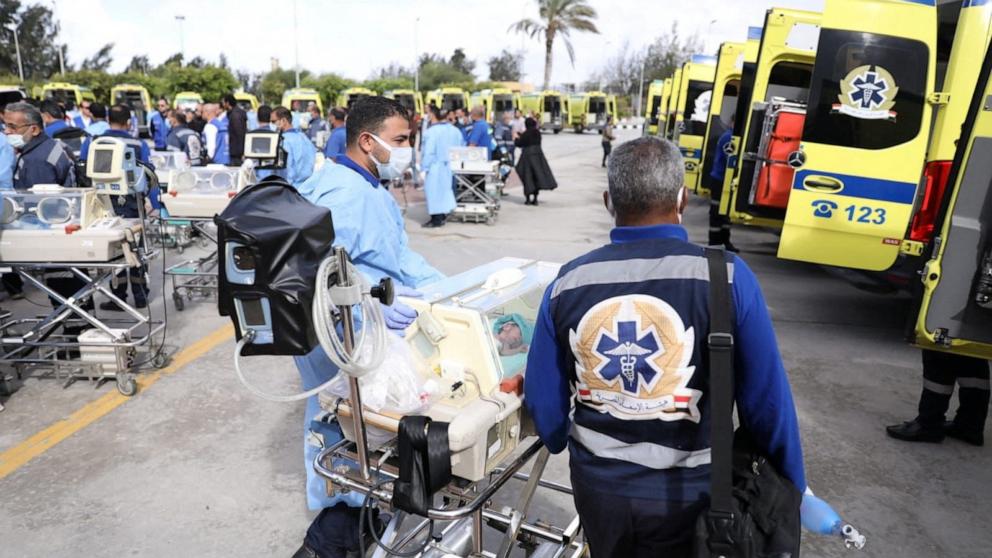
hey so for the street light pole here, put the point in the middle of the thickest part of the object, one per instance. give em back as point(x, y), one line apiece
point(416, 56)
point(182, 38)
point(296, 45)
point(60, 47)
point(640, 87)
point(17, 48)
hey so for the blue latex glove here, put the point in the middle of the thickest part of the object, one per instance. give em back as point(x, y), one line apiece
point(398, 317)
point(818, 517)
point(403, 290)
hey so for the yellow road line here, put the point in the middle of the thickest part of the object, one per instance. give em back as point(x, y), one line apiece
point(14, 458)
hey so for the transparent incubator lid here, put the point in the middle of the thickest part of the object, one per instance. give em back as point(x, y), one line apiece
point(211, 179)
point(507, 293)
point(164, 161)
point(48, 207)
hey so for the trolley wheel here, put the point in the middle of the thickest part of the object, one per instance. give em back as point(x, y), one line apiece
point(491, 220)
point(180, 248)
point(178, 301)
point(579, 129)
point(160, 360)
point(127, 385)
point(204, 242)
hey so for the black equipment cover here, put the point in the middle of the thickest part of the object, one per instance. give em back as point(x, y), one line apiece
point(754, 510)
point(288, 238)
point(425, 463)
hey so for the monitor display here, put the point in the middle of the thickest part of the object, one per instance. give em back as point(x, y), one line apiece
point(253, 313)
point(103, 161)
point(261, 145)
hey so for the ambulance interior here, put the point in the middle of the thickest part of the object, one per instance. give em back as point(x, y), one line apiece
point(503, 102)
point(452, 101)
point(552, 107)
point(64, 97)
point(720, 123)
point(408, 101)
point(697, 108)
point(961, 304)
point(765, 179)
point(133, 100)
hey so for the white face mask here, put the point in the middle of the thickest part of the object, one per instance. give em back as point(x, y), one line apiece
point(678, 202)
point(16, 140)
point(399, 159)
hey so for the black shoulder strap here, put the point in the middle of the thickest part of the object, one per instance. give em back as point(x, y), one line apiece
point(721, 357)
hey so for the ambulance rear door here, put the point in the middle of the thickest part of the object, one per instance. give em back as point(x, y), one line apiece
point(865, 137)
point(726, 86)
point(956, 301)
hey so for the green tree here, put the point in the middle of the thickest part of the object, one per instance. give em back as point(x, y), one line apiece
point(36, 33)
point(460, 62)
point(155, 85)
point(436, 71)
point(668, 52)
point(328, 85)
point(101, 59)
point(210, 82)
point(380, 85)
point(98, 81)
point(558, 18)
point(508, 66)
point(139, 65)
point(276, 82)
point(174, 60)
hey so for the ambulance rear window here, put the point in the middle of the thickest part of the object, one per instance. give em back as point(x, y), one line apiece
point(867, 90)
point(748, 75)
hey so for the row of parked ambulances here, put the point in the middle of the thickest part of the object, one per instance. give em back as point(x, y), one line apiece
point(863, 133)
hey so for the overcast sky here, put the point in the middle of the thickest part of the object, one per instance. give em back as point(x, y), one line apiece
point(354, 37)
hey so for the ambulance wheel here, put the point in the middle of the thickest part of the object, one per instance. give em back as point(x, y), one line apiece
point(127, 386)
point(177, 300)
point(557, 131)
point(579, 130)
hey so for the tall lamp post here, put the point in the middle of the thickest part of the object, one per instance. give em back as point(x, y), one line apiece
point(296, 45)
point(182, 37)
point(416, 56)
point(17, 48)
point(640, 86)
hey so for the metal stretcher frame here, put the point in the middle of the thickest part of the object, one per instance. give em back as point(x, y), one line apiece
point(40, 346)
point(474, 204)
point(198, 275)
point(179, 238)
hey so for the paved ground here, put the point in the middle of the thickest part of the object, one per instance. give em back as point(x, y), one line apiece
point(195, 466)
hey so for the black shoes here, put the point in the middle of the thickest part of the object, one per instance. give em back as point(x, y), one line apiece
point(305, 552)
point(913, 431)
point(433, 224)
point(952, 430)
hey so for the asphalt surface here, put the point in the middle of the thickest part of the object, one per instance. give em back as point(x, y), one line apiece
point(196, 466)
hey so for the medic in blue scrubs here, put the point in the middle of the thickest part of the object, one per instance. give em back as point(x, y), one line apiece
point(158, 124)
point(438, 139)
point(338, 142)
point(300, 151)
point(369, 225)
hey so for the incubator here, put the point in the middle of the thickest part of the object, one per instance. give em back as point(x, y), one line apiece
point(478, 184)
point(49, 223)
point(202, 192)
point(167, 161)
point(469, 347)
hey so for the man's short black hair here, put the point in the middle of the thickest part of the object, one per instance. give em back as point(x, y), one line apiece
point(230, 100)
point(368, 115)
point(120, 115)
point(339, 113)
point(282, 113)
point(51, 108)
point(178, 115)
point(264, 114)
point(98, 110)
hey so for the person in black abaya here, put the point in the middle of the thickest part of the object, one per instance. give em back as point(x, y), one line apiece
point(532, 167)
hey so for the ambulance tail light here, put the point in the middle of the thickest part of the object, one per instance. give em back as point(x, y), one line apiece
point(922, 227)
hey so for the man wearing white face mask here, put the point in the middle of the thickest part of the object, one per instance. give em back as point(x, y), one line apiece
point(40, 159)
point(617, 369)
point(368, 224)
point(300, 152)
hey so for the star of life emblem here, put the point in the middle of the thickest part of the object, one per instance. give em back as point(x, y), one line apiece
point(632, 358)
point(869, 93)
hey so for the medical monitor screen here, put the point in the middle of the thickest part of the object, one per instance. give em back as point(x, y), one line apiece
point(261, 145)
point(253, 312)
point(103, 160)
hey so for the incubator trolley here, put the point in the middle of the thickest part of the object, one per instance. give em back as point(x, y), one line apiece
point(469, 347)
point(478, 185)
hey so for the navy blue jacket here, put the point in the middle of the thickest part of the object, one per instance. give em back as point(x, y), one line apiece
point(43, 161)
point(624, 329)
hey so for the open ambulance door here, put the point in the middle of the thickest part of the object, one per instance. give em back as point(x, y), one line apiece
point(865, 135)
point(956, 301)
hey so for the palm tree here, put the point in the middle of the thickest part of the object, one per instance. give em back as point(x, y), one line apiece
point(558, 17)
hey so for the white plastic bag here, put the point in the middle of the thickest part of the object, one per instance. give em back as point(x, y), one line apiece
point(394, 387)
